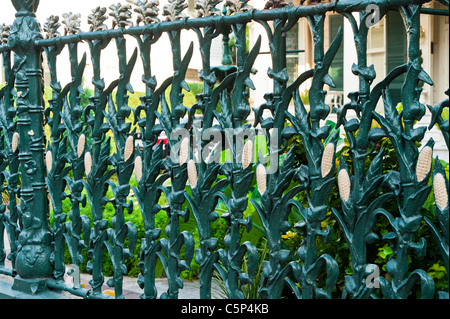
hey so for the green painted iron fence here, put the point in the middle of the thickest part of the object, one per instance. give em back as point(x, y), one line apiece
point(86, 155)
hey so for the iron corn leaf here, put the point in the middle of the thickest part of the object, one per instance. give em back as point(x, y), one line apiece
point(165, 115)
point(347, 233)
point(301, 118)
point(267, 272)
point(242, 180)
point(436, 112)
point(282, 183)
point(107, 175)
point(112, 240)
point(288, 132)
point(125, 171)
point(350, 285)
point(243, 76)
point(317, 213)
point(288, 162)
point(327, 79)
point(165, 246)
point(247, 223)
point(392, 75)
point(193, 204)
point(375, 168)
point(386, 126)
point(409, 224)
point(207, 205)
point(292, 91)
point(375, 204)
point(284, 255)
point(332, 271)
point(132, 239)
point(218, 90)
point(332, 50)
point(323, 189)
point(420, 248)
point(124, 127)
point(296, 270)
point(209, 176)
point(416, 134)
point(129, 69)
point(281, 206)
point(376, 134)
point(213, 216)
point(392, 115)
point(370, 188)
point(184, 66)
point(186, 239)
point(139, 198)
point(226, 117)
point(252, 261)
point(414, 203)
point(217, 188)
point(198, 257)
point(250, 59)
point(391, 238)
point(87, 187)
point(79, 74)
point(393, 181)
point(263, 216)
point(322, 132)
point(351, 125)
point(426, 283)
point(151, 173)
point(239, 204)
point(439, 239)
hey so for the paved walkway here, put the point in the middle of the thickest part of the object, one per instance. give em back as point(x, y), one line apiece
point(131, 289)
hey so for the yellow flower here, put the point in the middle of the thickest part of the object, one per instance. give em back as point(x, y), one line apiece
point(289, 235)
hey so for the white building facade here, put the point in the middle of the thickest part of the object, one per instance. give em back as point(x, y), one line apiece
point(386, 49)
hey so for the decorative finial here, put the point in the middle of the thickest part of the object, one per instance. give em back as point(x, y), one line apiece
point(173, 10)
point(237, 6)
point(5, 30)
point(121, 15)
point(147, 11)
point(71, 23)
point(96, 19)
point(51, 27)
point(275, 4)
point(206, 8)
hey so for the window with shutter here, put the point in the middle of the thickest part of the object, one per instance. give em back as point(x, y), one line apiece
point(396, 51)
point(337, 66)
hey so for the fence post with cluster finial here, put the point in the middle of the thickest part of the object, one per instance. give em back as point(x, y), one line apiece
point(33, 258)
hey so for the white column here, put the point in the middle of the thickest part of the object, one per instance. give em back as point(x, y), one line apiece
point(262, 63)
point(351, 82)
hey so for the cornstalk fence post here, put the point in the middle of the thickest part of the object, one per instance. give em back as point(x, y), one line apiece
point(33, 261)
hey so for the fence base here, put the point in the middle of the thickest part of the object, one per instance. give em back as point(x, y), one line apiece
point(19, 288)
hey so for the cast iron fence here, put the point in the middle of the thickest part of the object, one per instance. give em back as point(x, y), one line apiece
point(78, 160)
